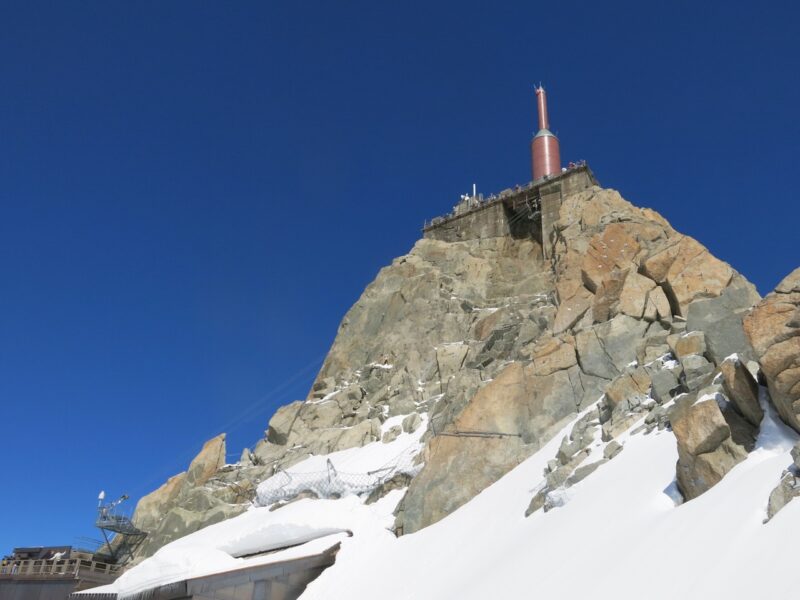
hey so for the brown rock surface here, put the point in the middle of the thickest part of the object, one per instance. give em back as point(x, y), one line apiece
point(633, 297)
point(606, 300)
point(210, 459)
point(657, 306)
point(572, 309)
point(706, 451)
point(552, 355)
point(773, 328)
point(700, 427)
point(742, 390)
point(523, 407)
point(632, 388)
point(693, 342)
point(697, 474)
point(614, 248)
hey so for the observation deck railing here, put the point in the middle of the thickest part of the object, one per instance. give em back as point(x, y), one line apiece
point(55, 569)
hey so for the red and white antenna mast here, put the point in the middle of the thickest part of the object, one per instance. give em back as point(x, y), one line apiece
point(545, 154)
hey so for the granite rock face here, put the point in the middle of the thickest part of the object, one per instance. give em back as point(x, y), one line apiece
point(773, 328)
point(500, 348)
point(189, 501)
point(706, 449)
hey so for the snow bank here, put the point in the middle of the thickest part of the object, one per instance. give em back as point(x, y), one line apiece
point(619, 534)
point(302, 528)
point(307, 527)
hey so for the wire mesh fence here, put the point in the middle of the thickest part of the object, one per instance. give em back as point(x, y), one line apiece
point(332, 483)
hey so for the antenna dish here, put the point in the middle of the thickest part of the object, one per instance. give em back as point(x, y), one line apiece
point(101, 495)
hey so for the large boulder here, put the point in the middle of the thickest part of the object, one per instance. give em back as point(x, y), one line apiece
point(784, 492)
point(629, 389)
point(657, 306)
point(700, 427)
point(696, 371)
point(773, 328)
point(742, 389)
point(706, 450)
point(693, 342)
point(634, 294)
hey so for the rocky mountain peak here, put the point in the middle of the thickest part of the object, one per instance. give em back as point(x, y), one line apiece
point(500, 326)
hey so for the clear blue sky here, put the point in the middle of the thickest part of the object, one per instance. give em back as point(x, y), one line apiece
point(193, 193)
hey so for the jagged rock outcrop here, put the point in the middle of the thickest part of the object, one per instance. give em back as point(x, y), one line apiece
point(151, 509)
point(716, 420)
point(789, 487)
point(188, 501)
point(786, 491)
point(501, 347)
point(773, 328)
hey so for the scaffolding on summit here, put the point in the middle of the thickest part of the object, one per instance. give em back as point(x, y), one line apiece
point(332, 483)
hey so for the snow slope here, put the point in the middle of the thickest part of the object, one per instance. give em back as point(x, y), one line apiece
point(618, 535)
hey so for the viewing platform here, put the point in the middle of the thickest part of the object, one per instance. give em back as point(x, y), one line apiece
point(524, 211)
point(52, 573)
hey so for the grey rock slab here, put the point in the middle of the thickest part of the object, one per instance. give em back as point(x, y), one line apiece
point(720, 319)
point(696, 370)
point(612, 449)
point(392, 434)
point(665, 384)
point(411, 422)
point(583, 472)
point(282, 421)
point(784, 492)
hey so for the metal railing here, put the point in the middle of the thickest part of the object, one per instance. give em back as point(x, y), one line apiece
point(67, 568)
point(503, 196)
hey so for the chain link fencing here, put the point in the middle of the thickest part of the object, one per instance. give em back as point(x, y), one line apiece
point(332, 483)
